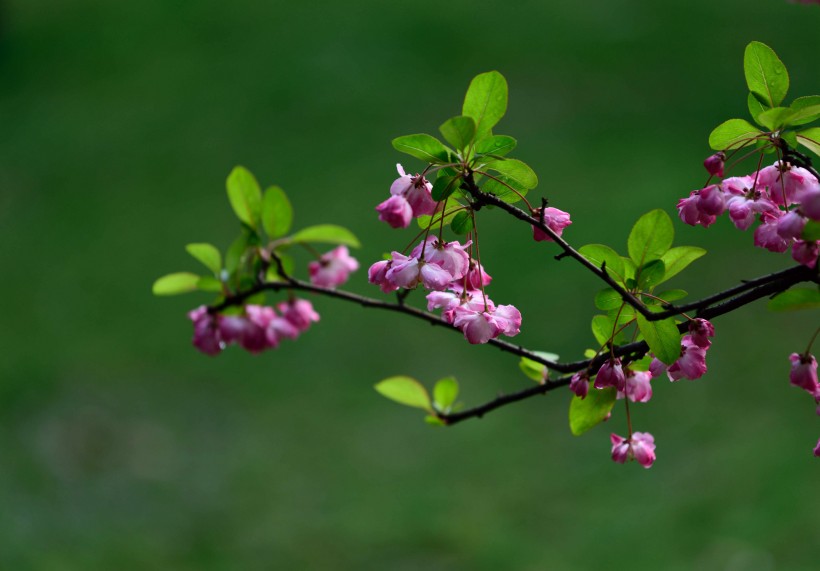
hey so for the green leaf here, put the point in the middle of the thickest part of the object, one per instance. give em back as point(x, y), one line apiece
point(459, 131)
point(732, 133)
point(535, 370)
point(599, 254)
point(755, 107)
point(233, 257)
point(811, 231)
point(277, 213)
point(651, 274)
point(496, 145)
point(807, 109)
point(506, 189)
point(326, 234)
point(445, 393)
point(810, 138)
point(425, 221)
point(796, 298)
point(486, 101)
point(245, 196)
point(766, 75)
point(406, 391)
point(602, 328)
point(207, 254)
point(651, 237)
point(776, 118)
point(515, 170)
point(462, 223)
point(607, 299)
point(672, 295)
point(209, 284)
point(592, 410)
point(174, 284)
point(662, 337)
point(677, 259)
point(434, 420)
point(444, 187)
point(422, 146)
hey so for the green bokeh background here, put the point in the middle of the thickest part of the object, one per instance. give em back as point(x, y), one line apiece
point(123, 448)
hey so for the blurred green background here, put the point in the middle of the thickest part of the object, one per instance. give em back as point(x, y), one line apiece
point(123, 448)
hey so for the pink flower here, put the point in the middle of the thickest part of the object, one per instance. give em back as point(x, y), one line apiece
point(451, 256)
point(700, 330)
point(641, 447)
point(377, 274)
point(811, 204)
point(556, 220)
point(712, 200)
point(742, 209)
point(804, 372)
point(333, 268)
point(299, 313)
point(206, 331)
point(416, 190)
point(690, 211)
point(396, 211)
point(579, 384)
point(714, 164)
point(254, 337)
point(790, 225)
point(817, 448)
point(691, 364)
point(791, 180)
point(408, 272)
point(637, 387)
point(806, 252)
point(657, 368)
point(766, 235)
point(477, 276)
point(479, 325)
point(611, 374)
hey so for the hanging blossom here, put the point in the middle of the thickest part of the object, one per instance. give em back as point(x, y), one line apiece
point(332, 268)
point(556, 220)
point(258, 329)
point(692, 361)
point(803, 373)
point(409, 198)
point(640, 447)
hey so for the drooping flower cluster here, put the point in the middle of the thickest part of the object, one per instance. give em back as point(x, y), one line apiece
point(259, 328)
point(409, 198)
point(783, 197)
point(332, 268)
point(692, 361)
point(641, 447)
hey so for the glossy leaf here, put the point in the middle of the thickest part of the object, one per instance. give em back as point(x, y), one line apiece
point(498, 145)
point(755, 107)
point(462, 223)
point(453, 208)
point(209, 284)
point(651, 237)
point(651, 274)
point(732, 134)
point(672, 295)
point(810, 138)
point(600, 254)
point(406, 391)
point(327, 234)
point(807, 109)
point(444, 186)
point(535, 370)
point(586, 413)
point(776, 118)
point(677, 259)
point(175, 284)
point(766, 75)
point(506, 189)
point(486, 101)
point(422, 146)
point(602, 329)
point(796, 298)
point(662, 337)
point(245, 196)
point(277, 213)
point(445, 393)
point(515, 170)
point(207, 254)
point(459, 131)
point(607, 299)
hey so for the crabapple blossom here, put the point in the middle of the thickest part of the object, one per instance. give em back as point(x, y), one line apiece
point(477, 277)
point(377, 274)
point(479, 325)
point(790, 225)
point(451, 256)
point(811, 204)
point(766, 235)
point(408, 271)
point(712, 200)
point(206, 331)
point(691, 212)
point(553, 218)
point(299, 313)
point(714, 163)
point(611, 374)
point(396, 211)
point(641, 447)
point(579, 384)
point(700, 330)
point(787, 184)
point(806, 252)
point(803, 373)
point(333, 268)
point(410, 198)
point(691, 364)
point(817, 449)
point(637, 387)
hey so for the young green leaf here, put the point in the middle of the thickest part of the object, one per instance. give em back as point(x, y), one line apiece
point(776, 118)
point(462, 223)
point(755, 107)
point(486, 101)
point(444, 186)
point(233, 257)
point(505, 188)
point(806, 110)
point(810, 138)
point(599, 255)
point(245, 196)
point(733, 133)
point(207, 254)
point(796, 298)
point(174, 284)
point(602, 329)
point(209, 284)
point(453, 208)
point(498, 145)
point(662, 337)
point(607, 299)
point(406, 391)
point(677, 259)
point(434, 420)
point(326, 234)
point(277, 213)
point(651, 237)
point(515, 170)
point(587, 412)
point(424, 147)
point(535, 370)
point(672, 295)
point(651, 274)
point(766, 75)
point(445, 393)
point(459, 131)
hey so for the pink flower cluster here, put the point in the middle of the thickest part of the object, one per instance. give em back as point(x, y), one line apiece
point(332, 268)
point(782, 197)
point(803, 374)
point(409, 198)
point(456, 281)
point(692, 361)
point(258, 329)
point(641, 447)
